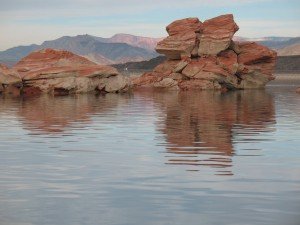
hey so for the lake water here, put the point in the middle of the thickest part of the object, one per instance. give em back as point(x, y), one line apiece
point(151, 158)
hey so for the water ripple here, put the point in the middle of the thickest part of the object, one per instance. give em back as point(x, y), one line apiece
point(151, 158)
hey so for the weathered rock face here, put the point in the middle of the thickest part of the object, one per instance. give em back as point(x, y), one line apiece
point(256, 64)
point(182, 39)
point(9, 79)
point(217, 34)
point(184, 25)
point(63, 72)
point(8, 76)
point(203, 56)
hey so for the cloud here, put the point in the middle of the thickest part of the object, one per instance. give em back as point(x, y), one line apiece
point(114, 4)
point(263, 28)
point(39, 9)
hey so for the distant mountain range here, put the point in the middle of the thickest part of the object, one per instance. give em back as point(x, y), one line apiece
point(137, 41)
point(119, 48)
point(122, 48)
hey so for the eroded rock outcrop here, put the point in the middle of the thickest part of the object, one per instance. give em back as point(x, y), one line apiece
point(217, 34)
point(8, 76)
point(182, 40)
point(204, 56)
point(62, 72)
point(9, 79)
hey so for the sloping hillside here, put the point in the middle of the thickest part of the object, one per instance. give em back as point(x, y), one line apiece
point(280, 43)
point(143, 65)
point(289, 50)
point(142, 42)
point(16, 53)
point(288, 64)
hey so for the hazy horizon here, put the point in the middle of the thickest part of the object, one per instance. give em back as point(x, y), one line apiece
point(33, 21)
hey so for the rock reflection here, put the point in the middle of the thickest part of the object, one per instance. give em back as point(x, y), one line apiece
point(48, 114)
point(200, 127)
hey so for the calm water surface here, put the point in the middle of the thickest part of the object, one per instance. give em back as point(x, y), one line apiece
point(151, 158)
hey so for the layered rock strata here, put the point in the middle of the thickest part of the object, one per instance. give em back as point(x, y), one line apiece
point(204, 56)
point(61, 72)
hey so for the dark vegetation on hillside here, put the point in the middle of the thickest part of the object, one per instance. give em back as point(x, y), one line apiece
point(143, 65)
point(288, 64)
point(284, 64)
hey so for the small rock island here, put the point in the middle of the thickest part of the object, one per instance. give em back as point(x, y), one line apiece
point(204, 56)
point(59, 72)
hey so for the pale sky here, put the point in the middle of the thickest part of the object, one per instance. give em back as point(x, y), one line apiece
point(24, 22)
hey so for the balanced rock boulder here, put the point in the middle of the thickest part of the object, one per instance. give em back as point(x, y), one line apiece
point(63, 72)
point(182, 39)
point(216, 34)
point(204, 56)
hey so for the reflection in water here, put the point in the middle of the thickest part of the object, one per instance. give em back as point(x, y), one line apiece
point(123, 159)
point(201, 127)
point(49, 114)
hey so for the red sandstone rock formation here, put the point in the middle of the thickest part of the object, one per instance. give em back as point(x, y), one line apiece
point(203, 56)
point(182, 39)
point(9, 80)
point(63, 72)
point(8, 76)
point(217, 34)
